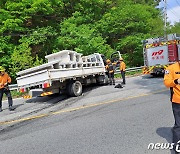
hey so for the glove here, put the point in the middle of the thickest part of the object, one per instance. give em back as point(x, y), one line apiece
point(177, 81)
point(6, 86)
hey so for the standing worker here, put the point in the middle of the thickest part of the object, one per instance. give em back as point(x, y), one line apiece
point(4, 81)
point(122, 69)
point(172, 81)
point(110, 69)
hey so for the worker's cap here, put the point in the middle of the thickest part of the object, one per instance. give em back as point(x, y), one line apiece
point(108, 61)
point(2, 69)
point(121, 59)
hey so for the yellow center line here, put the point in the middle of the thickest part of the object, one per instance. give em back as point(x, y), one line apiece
point(77, 108)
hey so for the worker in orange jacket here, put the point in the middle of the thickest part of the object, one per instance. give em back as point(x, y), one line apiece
point(122, 69)
point(172, 81)
point(4, 81)
point(110, 70)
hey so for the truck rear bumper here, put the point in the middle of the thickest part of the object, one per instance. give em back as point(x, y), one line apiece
point(158, 69)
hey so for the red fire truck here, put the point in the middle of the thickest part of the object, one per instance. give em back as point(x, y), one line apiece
point(159, 53)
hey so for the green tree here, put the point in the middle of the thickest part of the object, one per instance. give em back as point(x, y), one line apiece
point(5, 51)
point(125, 26)
point(174, 28)
point(82, 38)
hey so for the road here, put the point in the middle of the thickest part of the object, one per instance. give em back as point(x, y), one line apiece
point(105, 120)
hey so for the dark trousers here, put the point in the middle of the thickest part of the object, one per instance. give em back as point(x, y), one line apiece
point(111, 78)
point(8, 94)
point(123, 76)
point(176, 128)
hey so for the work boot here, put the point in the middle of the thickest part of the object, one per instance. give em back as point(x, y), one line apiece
point(1, 110)
point(11, 108)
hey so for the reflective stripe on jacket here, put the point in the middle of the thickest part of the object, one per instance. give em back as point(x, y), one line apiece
point(122, 66)
point(171, 74)
point(4, 79)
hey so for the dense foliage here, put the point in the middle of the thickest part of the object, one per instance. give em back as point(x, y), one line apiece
point(175, 28)
point(31, 29)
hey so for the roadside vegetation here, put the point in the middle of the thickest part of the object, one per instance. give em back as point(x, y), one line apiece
point(129, 74)
point(15, 94)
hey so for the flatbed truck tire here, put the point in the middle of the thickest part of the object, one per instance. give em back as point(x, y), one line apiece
point(74, 88)
point(103, 80)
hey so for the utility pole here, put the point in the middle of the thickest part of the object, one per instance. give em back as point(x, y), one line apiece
point(165, 19)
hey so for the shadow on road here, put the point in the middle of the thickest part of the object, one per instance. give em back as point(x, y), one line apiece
point(53, 99)
point(166, 133)
point(16, 106)
point(57, 98)
point(150, 82)
point(151, 76)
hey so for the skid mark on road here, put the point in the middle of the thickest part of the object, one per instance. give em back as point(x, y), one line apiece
point(78, 108)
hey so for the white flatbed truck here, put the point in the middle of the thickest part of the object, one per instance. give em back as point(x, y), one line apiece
point(65, 71)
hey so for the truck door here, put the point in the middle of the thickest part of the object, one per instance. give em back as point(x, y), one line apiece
point(115, 56)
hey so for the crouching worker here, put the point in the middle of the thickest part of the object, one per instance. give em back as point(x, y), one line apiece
point(110, 70)
point(4, 81)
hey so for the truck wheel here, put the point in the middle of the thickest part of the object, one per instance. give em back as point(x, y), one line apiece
point(106, 80)
point(74, 88)
point(102, 80)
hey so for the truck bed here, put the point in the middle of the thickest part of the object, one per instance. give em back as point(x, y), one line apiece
point(38, 78)
point(62, 65)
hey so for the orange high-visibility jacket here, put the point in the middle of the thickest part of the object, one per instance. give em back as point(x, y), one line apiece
point(4, 79)
point(122, 66)
point(109, 68)
point(172, 73)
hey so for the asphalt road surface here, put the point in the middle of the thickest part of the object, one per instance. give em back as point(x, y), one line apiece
point(104, 120)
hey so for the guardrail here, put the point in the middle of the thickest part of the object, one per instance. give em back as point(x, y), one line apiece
point(15, 86)
point(130, 69)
